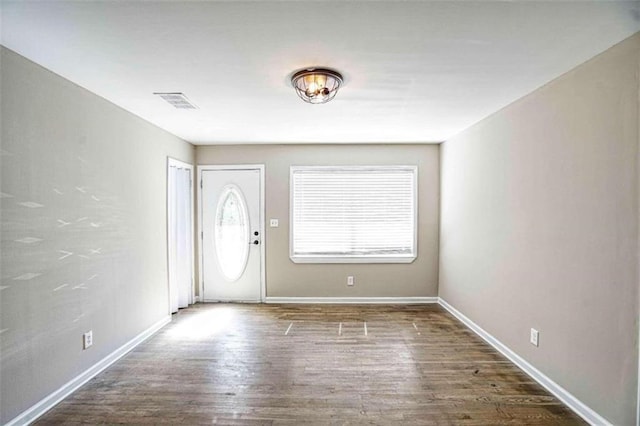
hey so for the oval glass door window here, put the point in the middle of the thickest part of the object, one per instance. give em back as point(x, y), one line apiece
point(231, 233)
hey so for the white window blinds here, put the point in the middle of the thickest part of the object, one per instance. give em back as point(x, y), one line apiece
point(353, 214)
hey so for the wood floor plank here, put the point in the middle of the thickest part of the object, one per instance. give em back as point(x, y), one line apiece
point(238, 365)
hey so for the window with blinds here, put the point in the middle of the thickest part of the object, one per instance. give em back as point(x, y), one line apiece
point(353, 214)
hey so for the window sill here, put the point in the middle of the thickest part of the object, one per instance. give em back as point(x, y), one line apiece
point(352, 259)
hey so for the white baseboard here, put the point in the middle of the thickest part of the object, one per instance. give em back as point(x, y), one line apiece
point(558, 391)
point(563, 395)
point(355, 300)
point(54, 398)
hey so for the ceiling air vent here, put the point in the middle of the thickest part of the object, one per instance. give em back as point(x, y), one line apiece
point(177, 99)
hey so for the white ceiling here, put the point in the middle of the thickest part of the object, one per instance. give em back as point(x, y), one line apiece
point(415, 71)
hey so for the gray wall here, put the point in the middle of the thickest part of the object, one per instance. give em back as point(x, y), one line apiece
point(97, 175)
point(540, 228)
point(284, 278)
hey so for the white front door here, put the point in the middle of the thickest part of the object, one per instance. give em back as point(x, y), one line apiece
point(231, 234)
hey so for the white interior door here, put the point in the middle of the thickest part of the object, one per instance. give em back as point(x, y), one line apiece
point(231, 235)
point(180, 234)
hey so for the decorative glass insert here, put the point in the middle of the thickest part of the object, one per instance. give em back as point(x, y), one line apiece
point(231, 233)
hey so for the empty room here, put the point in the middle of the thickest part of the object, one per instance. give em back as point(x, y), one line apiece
point(320, 212)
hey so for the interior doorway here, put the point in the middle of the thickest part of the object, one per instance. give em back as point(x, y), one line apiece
point(180, 232)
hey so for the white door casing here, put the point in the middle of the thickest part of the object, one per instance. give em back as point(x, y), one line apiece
point(231, 219)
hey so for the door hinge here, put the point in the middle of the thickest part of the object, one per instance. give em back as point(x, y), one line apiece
point(200, 183)
point(201, 235)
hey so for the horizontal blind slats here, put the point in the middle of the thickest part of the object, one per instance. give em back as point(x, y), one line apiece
point(353, 212)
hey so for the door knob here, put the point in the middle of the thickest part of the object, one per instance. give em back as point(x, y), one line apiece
point(256, 242)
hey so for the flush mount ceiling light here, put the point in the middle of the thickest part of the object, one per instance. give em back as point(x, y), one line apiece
point(316, 85)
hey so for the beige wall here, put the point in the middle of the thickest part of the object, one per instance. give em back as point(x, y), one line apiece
point(540, 229)
point(97, 175)
point(286, 279)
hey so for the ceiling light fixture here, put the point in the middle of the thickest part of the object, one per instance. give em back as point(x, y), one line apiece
point(316, 85)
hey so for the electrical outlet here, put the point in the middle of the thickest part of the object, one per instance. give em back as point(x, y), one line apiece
point(87, 339)
point(349, 280)
point(534, 337)
point(273, 223)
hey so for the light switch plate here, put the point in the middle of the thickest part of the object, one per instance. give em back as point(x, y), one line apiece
point(273, 223)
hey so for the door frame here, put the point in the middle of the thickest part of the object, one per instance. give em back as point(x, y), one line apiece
point(192, 192)
point(261, 222)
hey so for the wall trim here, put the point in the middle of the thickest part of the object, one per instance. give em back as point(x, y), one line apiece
point(48, 402)
point(558, 391)
point(352, 300)
point(44, 405)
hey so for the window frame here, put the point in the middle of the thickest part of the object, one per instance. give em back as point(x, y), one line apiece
point(389, 258)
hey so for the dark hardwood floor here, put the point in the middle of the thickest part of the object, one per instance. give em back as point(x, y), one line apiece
point(314, 364)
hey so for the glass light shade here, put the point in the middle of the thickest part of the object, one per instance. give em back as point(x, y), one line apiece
point(316, 85)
